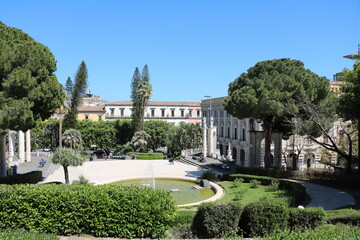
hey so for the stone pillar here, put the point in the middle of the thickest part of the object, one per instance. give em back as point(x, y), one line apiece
point(11, 152)
point(204, 137)
point(28, 147)
point(21, 146)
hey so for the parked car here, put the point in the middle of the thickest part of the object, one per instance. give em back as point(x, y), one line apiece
point(198, 156)
point(100, 153)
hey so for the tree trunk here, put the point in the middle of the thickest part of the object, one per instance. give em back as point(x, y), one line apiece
point(66, 172)
point(2, 155)
point(267, 132)
point(143, 113)
point(60, 129)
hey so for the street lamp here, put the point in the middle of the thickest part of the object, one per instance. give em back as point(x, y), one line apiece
point(209, 97)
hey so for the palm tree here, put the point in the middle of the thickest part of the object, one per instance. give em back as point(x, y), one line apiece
point(67, 157)
point(140, 140)
point(143, 92)
point(72, 138)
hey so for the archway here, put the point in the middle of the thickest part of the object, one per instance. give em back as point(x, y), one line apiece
point(242, 157)
point(310, 160)
point(234, 154)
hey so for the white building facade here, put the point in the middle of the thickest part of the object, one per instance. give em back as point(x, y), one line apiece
point(170, 111)
point(242, 141)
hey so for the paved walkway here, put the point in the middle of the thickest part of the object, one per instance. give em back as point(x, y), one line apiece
point(101, 170)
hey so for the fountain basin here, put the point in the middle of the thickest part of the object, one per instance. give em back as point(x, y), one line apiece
point(218, 192)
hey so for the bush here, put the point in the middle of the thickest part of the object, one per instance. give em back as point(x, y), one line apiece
point(344, 216)
point(261, 218)
point(237, 182)
point(102, 211)
point(274, 186)
point(148, 156)
point(254, 183)
point(301, 219)
point(30, 177)
point(323, 232)
point(216, 220)
point(209, 175)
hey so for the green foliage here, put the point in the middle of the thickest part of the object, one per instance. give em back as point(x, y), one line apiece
point(148, 156)
point(82, 180)
point(324, 232)
point(72, 139)
point(301, 219)
point(19, 234)
point(101, 134)
point(140, 140)
point(209, 175)
point(158, 131)
point(254, 183)
point(237, 182)
point(271, 91)
point(30, 177)
point(262, 218)
point(184, 217)
point(123, 131)
point(239, 195)
point(67, 157)
point(184, 136)
point(29, 89)
point(274, 186)
point(344, 216)
point(101, 211)
point(216, 220)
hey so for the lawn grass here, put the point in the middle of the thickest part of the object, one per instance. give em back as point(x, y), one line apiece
point(251, 194)
point(22, 235)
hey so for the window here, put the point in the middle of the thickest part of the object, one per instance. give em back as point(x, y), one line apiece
point(153, 112)
point(228, 132)
point(122, 112)
point(86, 117)
point(182, 112)
point(100, 118)
point(235, 134)
point(112, 112)
point(163, 112)
point(243, 135)
point(198, 113)
point(204, 113)
point(190, 112)
point(172, 112)
point(222, 131)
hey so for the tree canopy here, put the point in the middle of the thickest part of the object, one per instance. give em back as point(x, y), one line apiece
point(270, 91)
point(29, 90)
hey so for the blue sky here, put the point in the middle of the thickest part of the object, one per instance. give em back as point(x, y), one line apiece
point(192, 47)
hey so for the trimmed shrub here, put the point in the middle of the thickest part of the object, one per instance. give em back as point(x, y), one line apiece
point(148, 156)
point(237, 182)
point(344, 216)
point(102, 211)
point(30, 177)
point(209, 175)
point(216, 220)
point(301, 219)
point(254, 183)
point(261, 218)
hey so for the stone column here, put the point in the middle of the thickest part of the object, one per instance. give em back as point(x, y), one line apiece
point(21, 146)
point(28, 146)
point(11, 152)
point(204, 137)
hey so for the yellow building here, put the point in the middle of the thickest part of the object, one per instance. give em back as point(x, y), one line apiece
point(94, 113)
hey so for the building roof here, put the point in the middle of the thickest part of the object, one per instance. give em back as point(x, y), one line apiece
point(91, 109)
point(157, 103)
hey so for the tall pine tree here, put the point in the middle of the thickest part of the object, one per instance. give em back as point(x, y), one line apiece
point(135, 115)
point(78, 90)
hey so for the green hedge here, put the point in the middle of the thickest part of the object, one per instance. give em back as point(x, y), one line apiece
point(344, 216)
point(102, 211)
point(295, 190)
point(30, 177)
point(301, 219)
point(148, 156)
point(261, 218)
point(216, 220)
